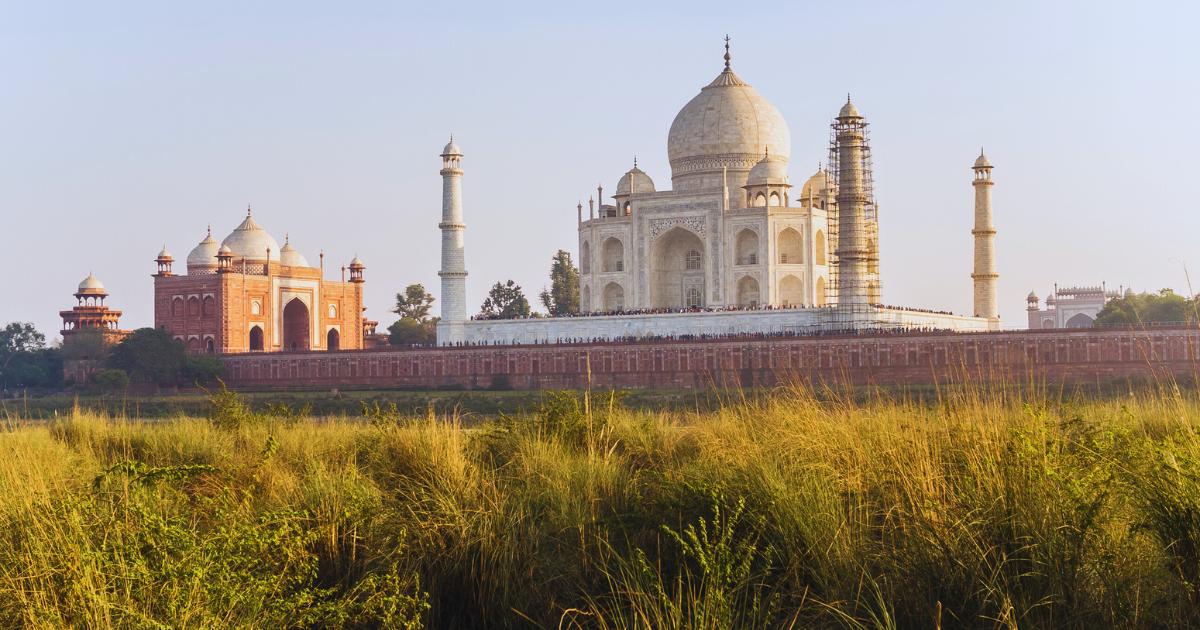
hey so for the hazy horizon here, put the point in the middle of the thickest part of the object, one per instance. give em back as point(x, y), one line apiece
point(135, 126)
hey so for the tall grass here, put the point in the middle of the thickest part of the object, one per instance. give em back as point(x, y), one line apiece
point(989, 508)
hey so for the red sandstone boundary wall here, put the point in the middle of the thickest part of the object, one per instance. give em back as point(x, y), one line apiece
point(909, 358)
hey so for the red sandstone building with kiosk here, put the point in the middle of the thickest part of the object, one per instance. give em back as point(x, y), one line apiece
point(248, 294)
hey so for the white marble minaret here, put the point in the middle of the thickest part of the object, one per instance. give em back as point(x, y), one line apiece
point(985, 234)
point(454, 270)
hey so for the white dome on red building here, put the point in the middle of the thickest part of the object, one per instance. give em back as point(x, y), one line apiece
point(250, 242)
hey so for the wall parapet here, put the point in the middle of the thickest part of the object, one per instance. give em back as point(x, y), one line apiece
point(899, 358)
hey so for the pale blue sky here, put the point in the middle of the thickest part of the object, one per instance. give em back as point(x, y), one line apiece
point(124, 126)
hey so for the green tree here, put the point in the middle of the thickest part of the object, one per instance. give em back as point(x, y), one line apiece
point(414, 303)
point(1148, 308)
point(204, 369)
point(563, 295)
point(407, 331)
point(150, 355)
point(505, 301)
point(111, 380)
point(18, 338)
point(40, 368)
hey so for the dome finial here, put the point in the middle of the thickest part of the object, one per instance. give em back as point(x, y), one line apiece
point(981, 151)
point(635, 161)
point(727, 57)
point(287, 237)
point(210, 229)
point(247, 209)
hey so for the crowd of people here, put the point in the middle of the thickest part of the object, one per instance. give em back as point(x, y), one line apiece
point(644, 311)
point(889, 330)
point(697, 309)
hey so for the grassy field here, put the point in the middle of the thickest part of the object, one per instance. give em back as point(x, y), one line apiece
point(981, 508)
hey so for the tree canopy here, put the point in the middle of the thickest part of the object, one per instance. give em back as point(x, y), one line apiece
point(1149, 308)
point(563, 295)
point(150, 355)
point(19, 337)
point(505, 301)
point(407, 331)
point(414, 303)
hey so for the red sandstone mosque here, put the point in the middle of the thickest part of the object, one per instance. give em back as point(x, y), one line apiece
point(248, 294)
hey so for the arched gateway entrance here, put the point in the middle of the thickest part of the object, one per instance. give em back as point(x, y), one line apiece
point(677, 270)
point(295, 325)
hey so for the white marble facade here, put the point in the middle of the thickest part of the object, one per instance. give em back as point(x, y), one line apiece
point(732, 233)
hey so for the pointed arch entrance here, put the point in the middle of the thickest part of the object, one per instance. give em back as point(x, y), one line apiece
point(333, 340)
point(256, 338)
point(676, 269)
point(295, 325)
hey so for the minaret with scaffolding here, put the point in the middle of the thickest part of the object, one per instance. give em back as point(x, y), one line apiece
point(853, 222)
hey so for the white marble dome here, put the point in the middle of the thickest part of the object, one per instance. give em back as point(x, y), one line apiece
point(204, 256)
point(91, 285)
point(848, 110)
point(726, 124)
point(635, 181)
point(250, 242)
point(769, 170)
point(982, 161)
point(289, 257)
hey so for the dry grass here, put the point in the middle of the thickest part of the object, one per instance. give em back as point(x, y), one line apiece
point(987, 509)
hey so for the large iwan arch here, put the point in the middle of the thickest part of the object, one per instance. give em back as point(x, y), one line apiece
point(676, 268)
point(295, 326)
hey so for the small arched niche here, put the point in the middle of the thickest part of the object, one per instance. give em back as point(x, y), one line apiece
point(613, 255)
point(746, 247)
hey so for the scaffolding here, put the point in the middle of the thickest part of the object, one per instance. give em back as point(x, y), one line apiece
point(870, 212)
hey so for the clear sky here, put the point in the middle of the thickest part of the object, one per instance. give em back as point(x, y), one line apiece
point(127, 126)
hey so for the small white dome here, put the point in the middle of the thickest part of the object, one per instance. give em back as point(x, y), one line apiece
point(91, 284)
point(641, 182)
point(204, 256)
point(289, 257)
point(356, 263)
point(982, 161)
point(814, 185)
point(451, 148)
point(1129, 292)
point(164, 254)
point(848, 110)
point(768, 171)
point(1032, 297)
point(250, 242)
point(224, 251)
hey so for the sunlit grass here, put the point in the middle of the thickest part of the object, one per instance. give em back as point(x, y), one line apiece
point(1000, 507)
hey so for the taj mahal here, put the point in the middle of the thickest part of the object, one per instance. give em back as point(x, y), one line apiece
point(732, 247)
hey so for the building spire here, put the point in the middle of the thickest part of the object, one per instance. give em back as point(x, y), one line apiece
point(248, 211)
point(727, 57)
